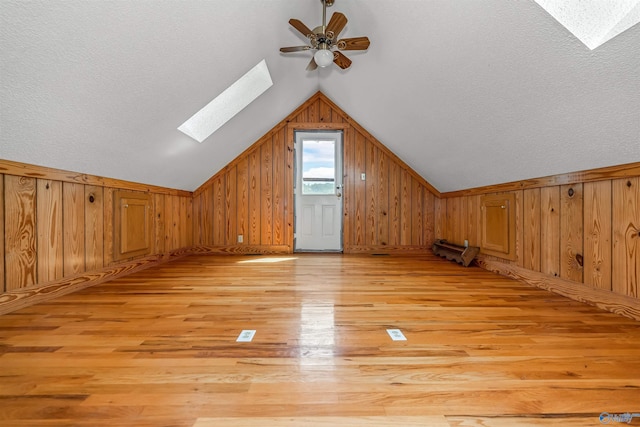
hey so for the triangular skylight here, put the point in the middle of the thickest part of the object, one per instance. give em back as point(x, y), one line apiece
point(594, 22)
point(229, 103)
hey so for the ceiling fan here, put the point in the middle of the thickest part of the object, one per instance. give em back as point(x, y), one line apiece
point(324, 40)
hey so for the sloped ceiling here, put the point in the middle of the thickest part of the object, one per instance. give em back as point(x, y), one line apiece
point(467, 92)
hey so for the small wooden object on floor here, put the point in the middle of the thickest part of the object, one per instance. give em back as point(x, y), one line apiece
point(460, 254)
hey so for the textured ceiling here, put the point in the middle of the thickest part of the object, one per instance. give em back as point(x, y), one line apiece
point(467, 92)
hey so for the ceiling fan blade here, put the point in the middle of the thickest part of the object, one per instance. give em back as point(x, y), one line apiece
point(294, 48)
point(355, 43)
point(336, 24)
point(312, 65)
point(298, 25)
point(341, 60)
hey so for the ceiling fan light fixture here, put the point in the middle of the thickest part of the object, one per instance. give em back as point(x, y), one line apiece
point(323, 57)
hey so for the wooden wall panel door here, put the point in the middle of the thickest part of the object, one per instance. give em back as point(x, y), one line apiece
point(550, 230)
point(133, 228)
point(94, 227)
point(571, 232)
point(2, 287)
point(531, 229)
point(499, 225)
point(626, 237)
point(597, 234)
point(74, 228)
point(49, 226)
point(20, 231)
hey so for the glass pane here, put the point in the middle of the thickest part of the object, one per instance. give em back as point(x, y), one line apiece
point(318, 166)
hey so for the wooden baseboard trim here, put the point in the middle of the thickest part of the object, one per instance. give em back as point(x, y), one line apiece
point(20, 298)
point(606, 300)
point(242, 250)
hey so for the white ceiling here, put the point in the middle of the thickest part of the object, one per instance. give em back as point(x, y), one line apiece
point(467, 92)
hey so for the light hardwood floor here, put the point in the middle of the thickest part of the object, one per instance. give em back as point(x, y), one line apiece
point(158, 348)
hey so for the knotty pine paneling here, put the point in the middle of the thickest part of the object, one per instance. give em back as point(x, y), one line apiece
point(53, 226)
point(2, 288)
point(73, 226)
point(392, 209)
point(49, 226)
point(597, 234)
point(626, 236)
point(20, 232)
point(595, 222)
point(571, 232)
point(94, 227)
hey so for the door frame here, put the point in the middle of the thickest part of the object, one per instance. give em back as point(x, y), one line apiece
point(291, 129)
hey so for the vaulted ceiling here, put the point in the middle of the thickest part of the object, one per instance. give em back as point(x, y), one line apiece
point(466, 92)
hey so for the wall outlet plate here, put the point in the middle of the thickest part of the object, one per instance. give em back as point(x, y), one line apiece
point(246, 335)
point(396, 335)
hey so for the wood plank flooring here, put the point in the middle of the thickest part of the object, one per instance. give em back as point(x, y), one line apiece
point(158, 348)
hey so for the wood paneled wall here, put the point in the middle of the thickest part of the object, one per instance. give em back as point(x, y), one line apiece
point(393, 210)
point(585, 232)
point(56, 224)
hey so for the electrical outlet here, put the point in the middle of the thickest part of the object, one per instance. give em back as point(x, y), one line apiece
point(363, 176)
point(240, 238)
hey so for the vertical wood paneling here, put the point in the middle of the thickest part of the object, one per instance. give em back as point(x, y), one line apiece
point(519, 244)
point(371, 228)
point(108, 226)
point(254, 197)
point(74, 228)
point(550, 230)
point(429, 217)
point(474, 230)
point(405, 208)
point(395, 182)
point(2, 287)
point(416, 213)
point(313, 112)
point(20, 231)
point(185, 217)
point(383, 199)
point(219, 208)
point(441, 218)
point(597, 234)
point(531, 229)
point(325, 112)
point(49, 226)
point(288, 194)
point(279, 181)
point(168, 223)
point(230, 206)
point(571, 232)
point(266, 189)
point(197, 219)
point(348, 167)
point(243, 199)
point(175, 223)
point(94, 227)
point(360, 190)
point(626, 237)
point(159, 223)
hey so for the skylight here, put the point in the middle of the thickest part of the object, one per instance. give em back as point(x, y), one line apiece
point(594, 22)
point(229, 103)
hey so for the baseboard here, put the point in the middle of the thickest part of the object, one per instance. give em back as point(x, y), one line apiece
point(606, 300)
point(242, 250)
point(386, 249)
point(24, 297)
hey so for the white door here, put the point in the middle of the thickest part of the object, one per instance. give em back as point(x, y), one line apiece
point(318, 191)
